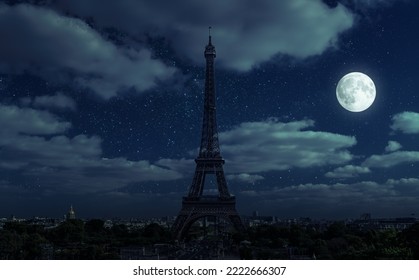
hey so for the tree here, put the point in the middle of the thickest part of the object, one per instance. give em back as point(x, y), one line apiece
point(71, 231)
point(94, 226)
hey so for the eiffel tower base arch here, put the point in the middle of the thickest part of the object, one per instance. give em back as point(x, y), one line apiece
point(192, 210)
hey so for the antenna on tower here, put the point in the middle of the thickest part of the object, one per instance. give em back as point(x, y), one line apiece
point(209, 34)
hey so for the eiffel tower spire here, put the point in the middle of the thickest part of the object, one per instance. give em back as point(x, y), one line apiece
point(210, 147)
point(209, 161)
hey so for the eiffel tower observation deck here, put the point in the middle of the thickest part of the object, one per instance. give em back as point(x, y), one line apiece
point(196, 205)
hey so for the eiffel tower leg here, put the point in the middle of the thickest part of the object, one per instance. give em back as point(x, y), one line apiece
point(237, 222)
point(192, 211)
point(177, 228)
point(197, 182)
point(221, 182)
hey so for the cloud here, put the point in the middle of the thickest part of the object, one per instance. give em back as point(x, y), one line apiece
point(393, 197)
point(245, 177)
point(245, 33)
point(391, 159)
point(255, 147)
point(33, 145)
point(58, 101)
point(393, 146)
point(98, 175)
point(348, 171)
point(56, 47)
point(368, 4)
point(14, 120)
point(406, 122)
point(8, 190)
point(184, 166)
point(405, 186)
point(366, 190)
point(57, 151)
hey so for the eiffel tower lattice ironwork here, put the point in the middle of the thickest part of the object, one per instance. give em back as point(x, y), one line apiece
point(209, 161)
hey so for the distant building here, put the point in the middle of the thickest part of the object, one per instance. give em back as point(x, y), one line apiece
point(71, 215)
point(260, 220)
point(108, 224)
point(397, 224)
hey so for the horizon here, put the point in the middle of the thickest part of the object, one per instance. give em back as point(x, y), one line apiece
point(247, 216)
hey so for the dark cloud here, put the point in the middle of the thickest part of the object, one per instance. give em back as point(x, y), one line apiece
point(98, 175)
point(52, 45)
point(30, 146)
point(394, 197)
point(368, 4)
point(58, 101)
point(246, 33)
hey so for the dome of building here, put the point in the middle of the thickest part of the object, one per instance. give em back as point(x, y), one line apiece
point(71, 215)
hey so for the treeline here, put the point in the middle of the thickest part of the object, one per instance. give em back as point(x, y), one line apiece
point(74, 239)
point(336, 242)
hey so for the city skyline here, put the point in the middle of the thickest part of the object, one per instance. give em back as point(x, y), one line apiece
point(101, 106)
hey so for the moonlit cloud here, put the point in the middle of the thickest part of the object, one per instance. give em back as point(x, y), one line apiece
point(406, 122)
point(15, 120)
point(66, 49)
point(246, 33)
point(184, 166)
point(245, 178)
point(325, 192)
point(254, 147)
point(393, 146)
point(391, 159)
point(348, 171)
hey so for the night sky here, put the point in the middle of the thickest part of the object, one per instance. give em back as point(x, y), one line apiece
point(101, 106)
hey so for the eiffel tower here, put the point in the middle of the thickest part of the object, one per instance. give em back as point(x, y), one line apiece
point(209, 161)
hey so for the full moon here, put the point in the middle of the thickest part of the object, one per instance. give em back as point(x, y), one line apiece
point(355, 92)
